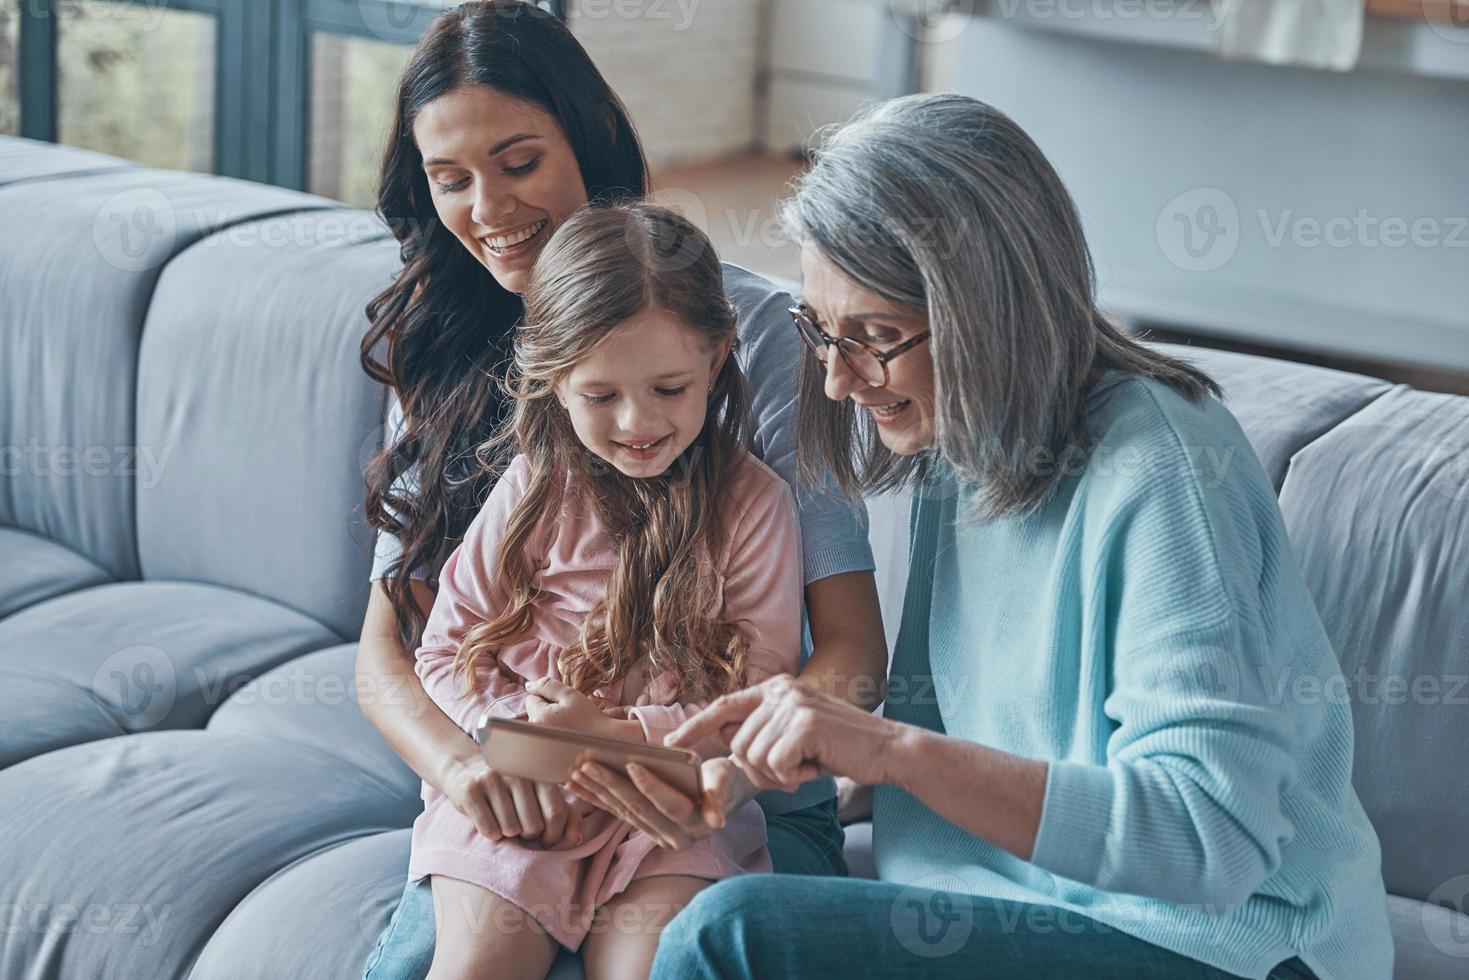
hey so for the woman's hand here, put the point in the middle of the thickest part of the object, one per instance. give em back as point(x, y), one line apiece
point(786, 730)
point(551, 702)
point(659, 810)
point(508, 806)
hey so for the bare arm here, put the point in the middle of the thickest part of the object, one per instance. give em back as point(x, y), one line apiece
point(849, 654)
point(799, 731)
point(849, 658)
point(992, 794)
point(435, 747)
point(426, 738)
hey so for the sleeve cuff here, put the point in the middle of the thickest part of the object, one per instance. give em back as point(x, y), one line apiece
point(657, 721)
point(854, 556)
point(383, 556)
point(418, 574)
point(1072, 838)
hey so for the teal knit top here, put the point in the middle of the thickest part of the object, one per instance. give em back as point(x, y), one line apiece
point(1144, 632)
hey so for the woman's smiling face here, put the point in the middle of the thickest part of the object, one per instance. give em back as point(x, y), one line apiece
point(903, 409)
point(502, 176)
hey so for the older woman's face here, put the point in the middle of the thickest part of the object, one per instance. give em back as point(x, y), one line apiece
point(502, 176)
point(904, 408)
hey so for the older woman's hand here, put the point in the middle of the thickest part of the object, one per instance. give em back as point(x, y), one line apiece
point(787, 730)
point(658, 809)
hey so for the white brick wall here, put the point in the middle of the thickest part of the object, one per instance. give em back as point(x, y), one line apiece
point(823, 65)
point(686, 70)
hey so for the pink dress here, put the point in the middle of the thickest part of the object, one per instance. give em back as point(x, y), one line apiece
point(562, 886)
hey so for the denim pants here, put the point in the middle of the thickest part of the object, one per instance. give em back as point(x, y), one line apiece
point(802, 842)
point(763, 926)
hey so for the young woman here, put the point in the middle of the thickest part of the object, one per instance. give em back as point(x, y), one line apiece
point(1083, 767)
point(504, 127)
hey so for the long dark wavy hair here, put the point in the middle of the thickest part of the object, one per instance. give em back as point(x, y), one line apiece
point(603, 267)
point(442, 330)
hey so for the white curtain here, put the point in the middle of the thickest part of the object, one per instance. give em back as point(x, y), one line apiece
point(1310, 33)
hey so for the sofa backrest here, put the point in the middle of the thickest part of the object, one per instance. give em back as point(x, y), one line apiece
point(27, 159)
point(1378, 512)
point(83, 251)
point(249, 381)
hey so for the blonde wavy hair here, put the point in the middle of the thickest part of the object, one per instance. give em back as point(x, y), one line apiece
point(604, 266)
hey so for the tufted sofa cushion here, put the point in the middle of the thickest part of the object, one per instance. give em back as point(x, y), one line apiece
point(137, 656)
point(249, 386)
point(36, 568)
point(75, 287)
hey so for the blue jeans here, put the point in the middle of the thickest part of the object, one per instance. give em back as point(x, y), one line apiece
point(777, 926)
point(803, 842)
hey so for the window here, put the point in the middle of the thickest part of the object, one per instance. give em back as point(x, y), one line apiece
point(356, 57)
point(137, 81)
point(353, 83)
point(357, 52)
point(9, 66)
point(291, 92)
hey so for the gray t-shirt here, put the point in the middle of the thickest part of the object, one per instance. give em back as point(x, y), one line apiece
point(833, 535)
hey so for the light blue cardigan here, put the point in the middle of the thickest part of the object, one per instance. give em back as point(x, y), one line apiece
point(1143, 632)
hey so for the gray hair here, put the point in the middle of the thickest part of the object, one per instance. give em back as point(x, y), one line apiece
point(940, 202)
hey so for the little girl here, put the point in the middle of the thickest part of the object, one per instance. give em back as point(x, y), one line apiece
point(635, 559)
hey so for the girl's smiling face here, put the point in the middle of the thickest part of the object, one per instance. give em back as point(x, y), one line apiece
point(639, 399)
point(502, 176)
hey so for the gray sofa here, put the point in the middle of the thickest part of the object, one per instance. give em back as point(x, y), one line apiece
point(187, 785)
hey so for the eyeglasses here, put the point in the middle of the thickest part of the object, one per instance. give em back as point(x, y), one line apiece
point(865, 361)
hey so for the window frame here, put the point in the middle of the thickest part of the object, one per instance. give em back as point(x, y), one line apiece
point(261, 46)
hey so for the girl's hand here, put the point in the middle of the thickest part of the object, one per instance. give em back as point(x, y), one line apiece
point(659, 810)
point(786, 730)
point(508, 806)
point(551, 702)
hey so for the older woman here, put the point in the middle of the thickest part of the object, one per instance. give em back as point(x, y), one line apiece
point(1085, 766)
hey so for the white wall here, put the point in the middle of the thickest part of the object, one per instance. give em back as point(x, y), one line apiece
point(824, 63)
point(1284, 206)
point(686, 69)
